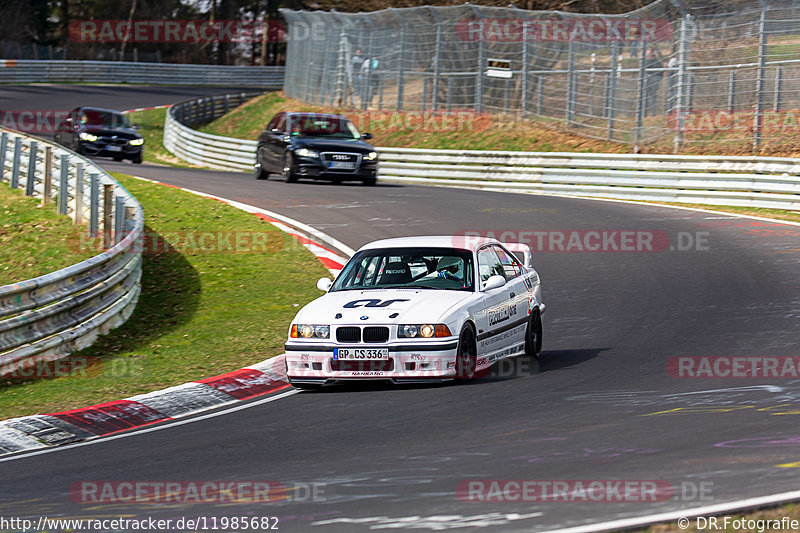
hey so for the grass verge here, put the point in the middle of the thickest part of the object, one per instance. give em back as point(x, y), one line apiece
point(34, 239)
point(152, 129)
point(201, 313)
point(453, 130)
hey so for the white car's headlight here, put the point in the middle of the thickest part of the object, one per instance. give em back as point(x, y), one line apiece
point(426, 331)
point(305, 152)
point(310, 331)
point(136, 142)
point(371, 156)
point(86, 136)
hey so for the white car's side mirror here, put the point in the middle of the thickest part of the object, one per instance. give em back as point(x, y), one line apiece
point(324, 284)
point(494, 282)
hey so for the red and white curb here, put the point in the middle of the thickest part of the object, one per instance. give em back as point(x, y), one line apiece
point(147, 108)
point(261, 379)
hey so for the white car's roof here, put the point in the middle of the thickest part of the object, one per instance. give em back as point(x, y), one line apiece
point(461, 242)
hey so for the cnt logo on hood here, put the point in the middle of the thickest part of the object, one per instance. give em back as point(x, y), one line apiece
point(372, 302)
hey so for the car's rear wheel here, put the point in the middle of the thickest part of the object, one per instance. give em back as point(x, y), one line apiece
point(466, 355)
point(287, 164)
point(533, 335)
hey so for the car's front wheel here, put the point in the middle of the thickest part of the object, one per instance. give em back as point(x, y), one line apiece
point(258, 169)
point(370, 181)
point(287, 164)
point(466, 355)
point(533, 335)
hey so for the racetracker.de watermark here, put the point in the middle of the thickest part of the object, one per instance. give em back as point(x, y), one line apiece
point(183, 492)
point(176, 31)
point(581, 490)
point(195, 242)
point(734, 367)
point(705, 121)
point(40, 121)
point(591, 30)
point(78, 366)
point(593, 241)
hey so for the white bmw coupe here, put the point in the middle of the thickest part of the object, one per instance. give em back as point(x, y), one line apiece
point(419, 309)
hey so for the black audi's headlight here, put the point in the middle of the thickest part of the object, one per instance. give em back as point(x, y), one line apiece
point(305, 152)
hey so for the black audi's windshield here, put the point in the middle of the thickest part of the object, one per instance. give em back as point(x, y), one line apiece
point(408, 268)
point(106, 119)
point(323, 126)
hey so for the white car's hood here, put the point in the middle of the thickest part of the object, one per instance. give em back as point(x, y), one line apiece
point(411, 306)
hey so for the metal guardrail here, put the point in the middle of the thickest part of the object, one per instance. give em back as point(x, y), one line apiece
point(42, 71)
point(197, 148)
point(48, 317)
point(769, 182)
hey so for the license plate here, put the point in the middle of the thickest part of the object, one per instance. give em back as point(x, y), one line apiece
point(113, 148)
point(345, 165)
point(361, 354)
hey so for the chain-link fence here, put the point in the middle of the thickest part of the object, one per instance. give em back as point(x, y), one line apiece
point(672, 74)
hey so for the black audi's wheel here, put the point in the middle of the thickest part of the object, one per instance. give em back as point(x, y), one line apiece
point(258, 170)
point(466, 355)
point(287, 164)
point(370, 181)
point(533, 335)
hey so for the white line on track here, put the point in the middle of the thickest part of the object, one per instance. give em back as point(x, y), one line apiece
point(157, 427)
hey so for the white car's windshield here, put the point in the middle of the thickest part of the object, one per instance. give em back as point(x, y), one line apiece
point(411, 268)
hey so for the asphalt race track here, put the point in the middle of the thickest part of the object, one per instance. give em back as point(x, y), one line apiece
point(600, 404)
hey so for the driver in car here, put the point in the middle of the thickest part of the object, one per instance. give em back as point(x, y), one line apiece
point(448, 268)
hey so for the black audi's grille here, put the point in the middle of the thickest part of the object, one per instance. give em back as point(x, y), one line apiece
point(109, 140)
point(340, 157)
point(376, 334)
point(383, 365)
point(348, 334)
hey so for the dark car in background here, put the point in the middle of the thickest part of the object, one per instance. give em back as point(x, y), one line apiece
point(103, 132)
point(315, 145)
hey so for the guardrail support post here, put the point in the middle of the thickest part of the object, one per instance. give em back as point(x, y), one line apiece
point(31, 181)
point(479, 79)
point(539, 93)
point(119, 218)
point(437, 53)
point(47, 177)
point(776, 105)
point(641, 97)
point(611, 93)
point(569, 110)
point(758, 120)
point(731, 91)
point(680, 90)
point(3, 150)
point(79, 194)
point(108, 212)
point(15, 162)
point(525, 67)
point(128, 219)
point(63, 185)
point(94, 205)
point(400, 65)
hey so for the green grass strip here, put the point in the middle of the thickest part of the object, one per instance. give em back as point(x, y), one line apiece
point(201, 312)
point(34, 239)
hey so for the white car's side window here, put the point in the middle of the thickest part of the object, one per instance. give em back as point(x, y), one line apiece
point(489, 264)
point(510, 265)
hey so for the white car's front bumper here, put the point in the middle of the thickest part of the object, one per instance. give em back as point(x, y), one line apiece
point(412, 360)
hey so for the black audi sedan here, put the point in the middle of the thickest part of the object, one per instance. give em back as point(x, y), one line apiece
point(103, 132)
point(317, 146)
